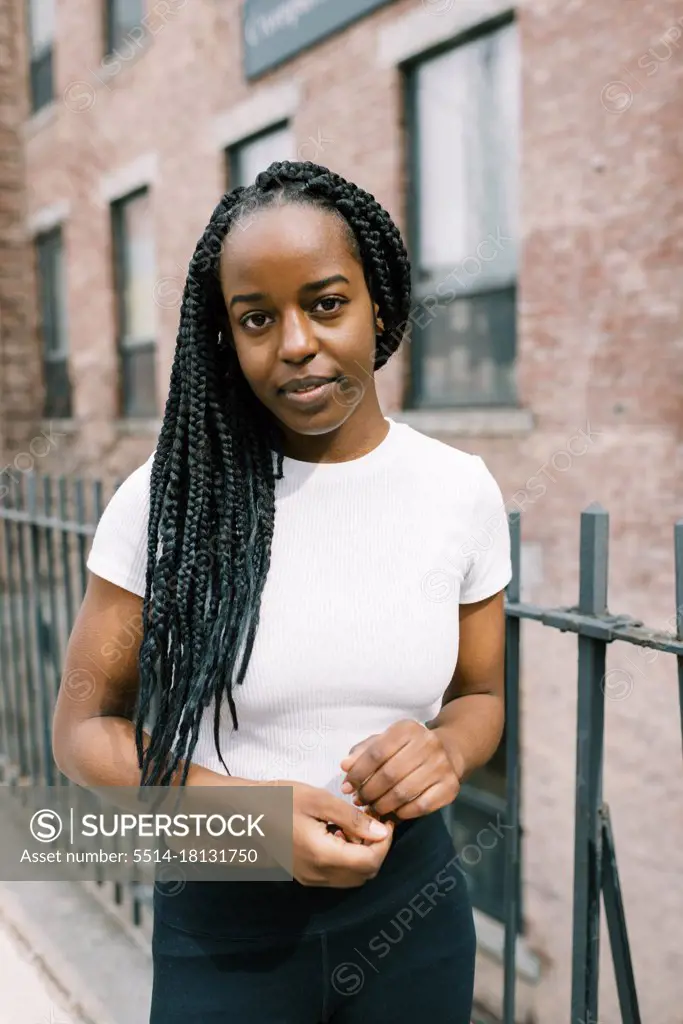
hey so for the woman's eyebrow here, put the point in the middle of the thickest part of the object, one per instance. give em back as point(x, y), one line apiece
point(312, 286)
point(315, 286)
point(251, 297)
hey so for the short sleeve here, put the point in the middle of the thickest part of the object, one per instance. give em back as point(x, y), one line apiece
point(489, 566)
point(119, 548)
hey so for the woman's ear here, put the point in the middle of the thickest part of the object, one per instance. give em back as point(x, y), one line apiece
point(378, 319)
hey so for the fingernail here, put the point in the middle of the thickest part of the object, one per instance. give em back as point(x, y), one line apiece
point(346, 787)
point(376, 828)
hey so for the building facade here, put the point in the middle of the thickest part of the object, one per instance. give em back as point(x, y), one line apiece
point(531, 156)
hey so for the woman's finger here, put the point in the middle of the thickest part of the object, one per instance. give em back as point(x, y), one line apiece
point(413, 756)
point(432, 799)
point(378, 752)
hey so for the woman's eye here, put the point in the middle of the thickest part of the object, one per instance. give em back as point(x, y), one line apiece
point(255, 321)
point(330, 303)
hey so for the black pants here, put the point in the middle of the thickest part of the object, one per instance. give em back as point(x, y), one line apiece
point(398, 949)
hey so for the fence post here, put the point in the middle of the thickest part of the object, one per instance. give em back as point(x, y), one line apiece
point(512, 880)
point(678, 559)
point(36, 588)
point(27, 639)
point(616, 925)
point(64, 510)
point(13, 665)
point(589, 754)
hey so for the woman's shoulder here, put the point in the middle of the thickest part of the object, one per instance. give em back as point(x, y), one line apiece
point(434, 454)
point(119, 548)
point(137, 483)
point(448, 477)
point(131, 498)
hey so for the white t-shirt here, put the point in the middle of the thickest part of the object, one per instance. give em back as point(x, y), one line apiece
point(359, 616)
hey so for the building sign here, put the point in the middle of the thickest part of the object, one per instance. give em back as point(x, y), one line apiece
point(274, 30)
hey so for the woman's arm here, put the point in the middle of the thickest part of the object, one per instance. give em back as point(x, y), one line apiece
point(470, 723)
point(93, 734)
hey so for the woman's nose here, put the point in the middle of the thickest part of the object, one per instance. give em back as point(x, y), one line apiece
point(298, 338)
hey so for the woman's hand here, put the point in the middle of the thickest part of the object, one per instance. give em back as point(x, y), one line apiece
point(404, 771)
point(344, 856)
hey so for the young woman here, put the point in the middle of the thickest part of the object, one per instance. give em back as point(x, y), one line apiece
point(316, 593)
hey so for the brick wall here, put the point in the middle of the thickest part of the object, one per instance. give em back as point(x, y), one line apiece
point(600, 315)
point(20, 386)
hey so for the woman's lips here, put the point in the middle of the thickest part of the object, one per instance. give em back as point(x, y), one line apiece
point(311, 396)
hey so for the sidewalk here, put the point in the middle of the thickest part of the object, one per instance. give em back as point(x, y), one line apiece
point(27, 994)
point(64, 959)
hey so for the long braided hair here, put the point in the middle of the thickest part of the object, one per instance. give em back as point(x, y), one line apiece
point(219, 453)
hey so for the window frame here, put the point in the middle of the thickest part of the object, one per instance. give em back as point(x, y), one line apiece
point(53, 320)
point(415, 398)
point(232, 152)
point(41, 66)
point(120, 275)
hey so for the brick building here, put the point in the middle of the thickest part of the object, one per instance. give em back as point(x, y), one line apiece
point(533, 159)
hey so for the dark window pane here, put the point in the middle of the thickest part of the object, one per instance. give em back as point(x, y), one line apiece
point(41, 32)
point(53, 293)
point(466, 351)
point(57, 389)
point(478, 819)
point(485, 869)
point(122, 17)
point(41, 80)
point(53, 325)
point(139, 381)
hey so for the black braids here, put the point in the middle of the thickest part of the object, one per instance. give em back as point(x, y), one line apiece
point(219, 455)
point(399, 286)
point(174, 668)
point(152, 657)
point(196, 492)
point(192, 577)
point(203, 574)
point(261, 541)
point(253, 587)
point(229, 634)
point(172, 650)
point(383, 254)
point(222, 456)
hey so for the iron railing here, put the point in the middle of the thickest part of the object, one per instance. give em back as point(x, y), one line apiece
point(46, 526)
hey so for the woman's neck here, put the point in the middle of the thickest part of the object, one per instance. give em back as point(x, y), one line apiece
point(359, 434)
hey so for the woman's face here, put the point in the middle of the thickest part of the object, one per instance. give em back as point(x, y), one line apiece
point(298, 307)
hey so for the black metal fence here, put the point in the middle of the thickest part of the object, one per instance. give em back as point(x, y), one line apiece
point(45, 529)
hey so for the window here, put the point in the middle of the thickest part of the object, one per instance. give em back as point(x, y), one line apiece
point(52, 301)
point(463, 127)
point(250, 157)
point(134, 272)
point(122, 17)
point(41, 33)
point(478, 820)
